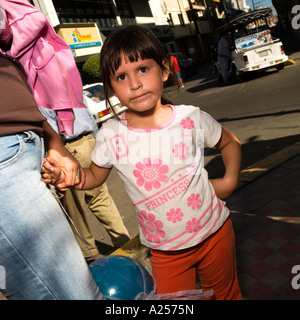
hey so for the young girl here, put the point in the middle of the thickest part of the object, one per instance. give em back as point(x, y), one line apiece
point(157, 150)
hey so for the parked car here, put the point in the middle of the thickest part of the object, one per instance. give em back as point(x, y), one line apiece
point(186, 64)
point(96, 102)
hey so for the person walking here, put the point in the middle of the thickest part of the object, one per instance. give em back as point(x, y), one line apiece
point(175, 64)
point(224, 55)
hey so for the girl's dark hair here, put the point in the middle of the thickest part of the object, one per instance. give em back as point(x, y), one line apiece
point(134, 41)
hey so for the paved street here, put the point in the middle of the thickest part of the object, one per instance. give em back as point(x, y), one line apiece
point(263, 112)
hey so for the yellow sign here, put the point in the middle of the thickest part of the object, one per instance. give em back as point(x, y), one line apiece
point(80, 37)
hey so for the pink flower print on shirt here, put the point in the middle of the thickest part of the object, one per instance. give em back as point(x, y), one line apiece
point(175, 215)
point(187, 123)
point(151, 174)
point(194, 201)
point(181, 150)
point(151, 228)
point(193, 225)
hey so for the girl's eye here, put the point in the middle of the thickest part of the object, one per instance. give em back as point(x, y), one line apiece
point(121, 77)
point(143, 69)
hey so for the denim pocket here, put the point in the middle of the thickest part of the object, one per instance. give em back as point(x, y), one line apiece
point(10, 149)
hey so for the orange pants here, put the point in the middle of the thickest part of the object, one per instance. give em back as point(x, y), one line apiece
point(214, 260)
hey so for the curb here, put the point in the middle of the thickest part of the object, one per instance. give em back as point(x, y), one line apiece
point(260, 168)
point(289, 62)
point(135, 250)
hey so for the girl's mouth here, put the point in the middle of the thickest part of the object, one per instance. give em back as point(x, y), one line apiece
point(139, 97)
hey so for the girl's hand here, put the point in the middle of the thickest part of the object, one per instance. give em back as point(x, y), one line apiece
point(51, 172)
point(224, 187)
point(230, 148)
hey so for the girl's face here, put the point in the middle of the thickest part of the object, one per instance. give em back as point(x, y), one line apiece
point(139, 84)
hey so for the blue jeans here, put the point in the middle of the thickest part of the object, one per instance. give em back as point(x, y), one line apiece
point(39, 255)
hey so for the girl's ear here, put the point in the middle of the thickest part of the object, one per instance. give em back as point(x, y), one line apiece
point(166, 70)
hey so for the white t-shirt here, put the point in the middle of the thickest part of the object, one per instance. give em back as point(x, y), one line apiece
point(163, 174)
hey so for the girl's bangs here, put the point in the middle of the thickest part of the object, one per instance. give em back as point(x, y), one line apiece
point(134, 43)
point(133, 54)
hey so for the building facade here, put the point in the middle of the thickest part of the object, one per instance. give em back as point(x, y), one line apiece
point(187, 26)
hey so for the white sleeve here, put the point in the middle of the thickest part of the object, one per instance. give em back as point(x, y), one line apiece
point(212, 129)
point(100, 154)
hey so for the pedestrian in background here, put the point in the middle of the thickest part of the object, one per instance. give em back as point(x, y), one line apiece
point(175, 64)
point(224, 55)
point(98, 200)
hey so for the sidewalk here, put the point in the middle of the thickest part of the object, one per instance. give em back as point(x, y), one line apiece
point(266, 219)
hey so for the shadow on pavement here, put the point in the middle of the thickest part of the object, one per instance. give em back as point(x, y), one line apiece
point(253, 151)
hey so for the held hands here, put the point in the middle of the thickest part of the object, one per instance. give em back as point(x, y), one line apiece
point(53, 173)
point(88, 178)
point(60, 168)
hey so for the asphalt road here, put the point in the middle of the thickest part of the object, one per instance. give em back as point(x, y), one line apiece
point(263, 112)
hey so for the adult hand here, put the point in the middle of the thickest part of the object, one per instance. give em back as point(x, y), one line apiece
point(70, 167)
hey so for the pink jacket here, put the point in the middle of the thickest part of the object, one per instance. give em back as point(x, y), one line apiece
point(47, 59)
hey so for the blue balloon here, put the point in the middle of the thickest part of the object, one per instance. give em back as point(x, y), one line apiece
point(122, 278)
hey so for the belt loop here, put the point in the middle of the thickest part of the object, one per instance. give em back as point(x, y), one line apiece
point(30, 136)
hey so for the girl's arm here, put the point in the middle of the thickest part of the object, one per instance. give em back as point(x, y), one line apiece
point(230, 148)
point(94, 176)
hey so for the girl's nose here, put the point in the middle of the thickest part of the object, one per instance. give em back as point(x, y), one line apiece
point(135, 83)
